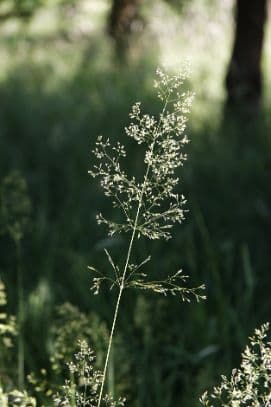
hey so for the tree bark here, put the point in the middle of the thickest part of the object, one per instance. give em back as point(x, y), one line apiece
point(123, 16)
point(244, 77)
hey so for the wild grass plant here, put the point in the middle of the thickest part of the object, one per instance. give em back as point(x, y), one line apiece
point(8, 335)
point(15, 208)
point(148, 207)
point(8, 332)
point(136, 212)
point(72, 358)
point(82, 389)
point(249, 385)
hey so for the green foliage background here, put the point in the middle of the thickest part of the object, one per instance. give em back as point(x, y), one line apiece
point(61, 86)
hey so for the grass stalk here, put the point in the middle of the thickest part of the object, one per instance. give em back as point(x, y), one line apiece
point(20, 294)
point(121, 288)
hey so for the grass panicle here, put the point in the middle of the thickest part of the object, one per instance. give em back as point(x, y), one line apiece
point(151, 206)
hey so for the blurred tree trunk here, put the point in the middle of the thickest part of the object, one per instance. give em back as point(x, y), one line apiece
point(244, 77)
point(122, 20)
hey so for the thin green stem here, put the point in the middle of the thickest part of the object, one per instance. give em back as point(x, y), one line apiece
point(117, 306)
point(20, 293)
point(85, 387)
point(111, 373)
point(122, 286)
point(122, 283)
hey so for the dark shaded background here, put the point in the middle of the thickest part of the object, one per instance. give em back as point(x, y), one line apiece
point(69, 72)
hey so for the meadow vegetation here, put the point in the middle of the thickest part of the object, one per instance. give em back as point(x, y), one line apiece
point(61, 87)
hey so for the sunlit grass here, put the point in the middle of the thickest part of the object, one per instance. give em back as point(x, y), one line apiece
point(61, 87)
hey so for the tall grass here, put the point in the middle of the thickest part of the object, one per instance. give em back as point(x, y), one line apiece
point(148, 207)
point(51, 110)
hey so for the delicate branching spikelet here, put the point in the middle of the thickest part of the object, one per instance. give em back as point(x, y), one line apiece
point(16, 398)
point(82, 389)
point(70, 326)
point(160, 206)
point(7, 323)
point(8, 330)
point(150, 206)
point(250, 385)
point(172, 285)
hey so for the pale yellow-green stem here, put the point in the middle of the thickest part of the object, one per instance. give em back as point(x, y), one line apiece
point(20, 314)
point(122, 283)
